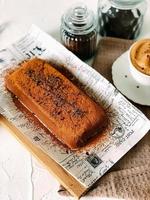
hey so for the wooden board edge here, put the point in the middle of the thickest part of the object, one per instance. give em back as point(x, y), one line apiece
point(65, 179)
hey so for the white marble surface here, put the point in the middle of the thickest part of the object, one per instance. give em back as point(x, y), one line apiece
point(21, 176)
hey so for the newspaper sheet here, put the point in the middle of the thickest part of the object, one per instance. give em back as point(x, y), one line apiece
point(127, 125)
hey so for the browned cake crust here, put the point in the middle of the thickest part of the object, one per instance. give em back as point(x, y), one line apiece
point(62, 107)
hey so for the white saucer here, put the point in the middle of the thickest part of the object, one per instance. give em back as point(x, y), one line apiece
point(126, 84)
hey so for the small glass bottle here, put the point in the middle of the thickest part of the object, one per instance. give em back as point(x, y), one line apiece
point(121, 18)
point(79, 31)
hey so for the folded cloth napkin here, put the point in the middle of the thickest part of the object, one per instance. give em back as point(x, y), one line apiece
point(129, 179)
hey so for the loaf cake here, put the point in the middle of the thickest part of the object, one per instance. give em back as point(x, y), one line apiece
point(70, 115)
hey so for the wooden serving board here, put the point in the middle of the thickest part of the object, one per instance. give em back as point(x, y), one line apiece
point(65, 179)
point(108, 50)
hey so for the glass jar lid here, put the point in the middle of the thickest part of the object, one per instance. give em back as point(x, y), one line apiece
point(79, 20)
point(126, 3)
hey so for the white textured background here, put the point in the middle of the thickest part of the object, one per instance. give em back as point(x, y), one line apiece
point(21, 176)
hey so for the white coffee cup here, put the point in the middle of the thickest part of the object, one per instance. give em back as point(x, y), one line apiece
point(140, 77)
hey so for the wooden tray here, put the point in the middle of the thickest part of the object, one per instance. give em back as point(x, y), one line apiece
point(108, 50)
point(65, 179)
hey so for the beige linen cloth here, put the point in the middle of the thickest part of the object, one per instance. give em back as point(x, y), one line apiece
point(129, 179)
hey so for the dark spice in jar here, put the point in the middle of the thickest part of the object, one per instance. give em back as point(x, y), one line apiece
point(79, 31)
point(121, 21)
point(81, 45)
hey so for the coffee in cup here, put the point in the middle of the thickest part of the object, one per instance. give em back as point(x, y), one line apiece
point(139, 57)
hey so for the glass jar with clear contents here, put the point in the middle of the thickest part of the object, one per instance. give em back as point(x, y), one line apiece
point(121, 18)
point(79, 31)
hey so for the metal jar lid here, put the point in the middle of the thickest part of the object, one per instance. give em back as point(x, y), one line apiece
point(126, 4)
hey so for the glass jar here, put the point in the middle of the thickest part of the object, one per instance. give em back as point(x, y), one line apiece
point(79, 31)
point(121, 18)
